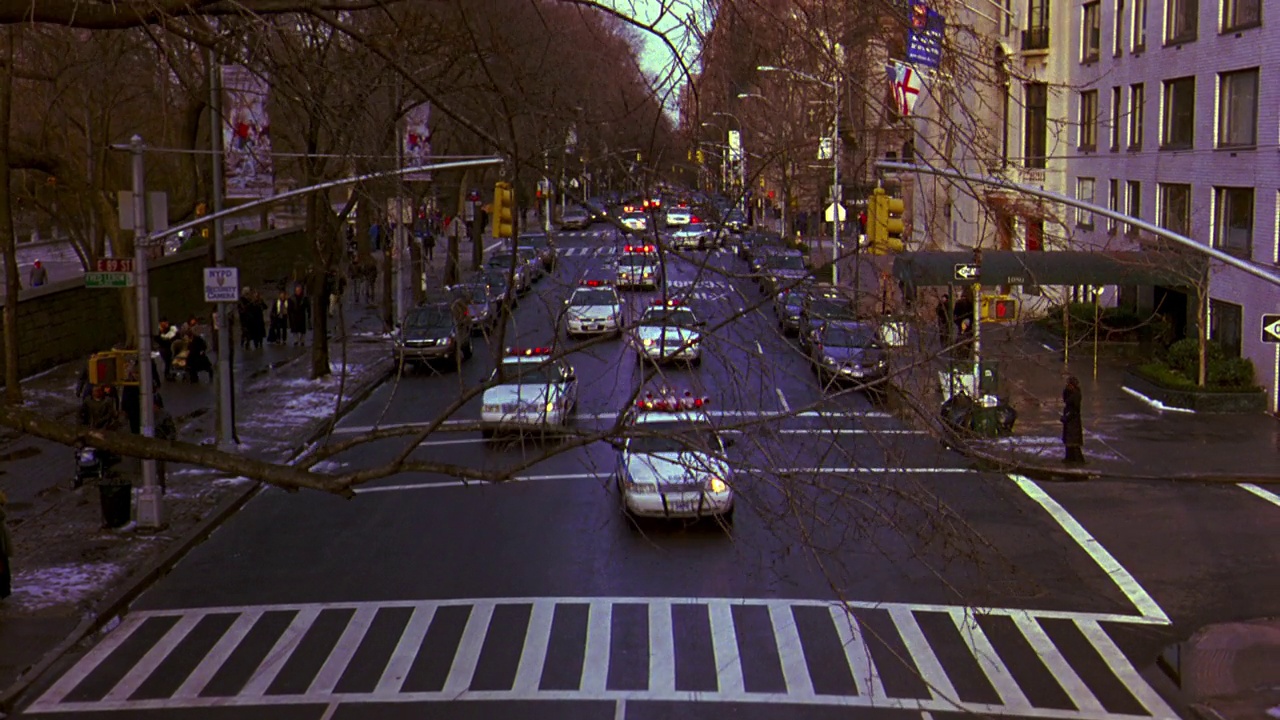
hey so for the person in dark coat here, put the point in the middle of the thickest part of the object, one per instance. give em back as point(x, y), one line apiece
point(279, 320)
point(6, 551)
point(963, 314)
point(197, 355)
point(1072, 422)
point(943, 312)
point(298, 311)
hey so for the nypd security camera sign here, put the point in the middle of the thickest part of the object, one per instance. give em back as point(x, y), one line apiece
point(221, 284)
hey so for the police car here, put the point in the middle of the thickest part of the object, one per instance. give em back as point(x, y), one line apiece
point(593, 308)
point(638, 266)
point(532, 391)
point(671, 461)
point(668, 330)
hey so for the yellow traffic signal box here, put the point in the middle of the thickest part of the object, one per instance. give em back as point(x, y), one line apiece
point(504, 210)
point(885, 225)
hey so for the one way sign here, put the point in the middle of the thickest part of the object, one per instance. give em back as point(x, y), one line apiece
point(1271, 328)
point(967, 271)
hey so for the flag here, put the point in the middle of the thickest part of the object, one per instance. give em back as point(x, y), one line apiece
point(416, 140)
point(249, 170)
point(905, 82)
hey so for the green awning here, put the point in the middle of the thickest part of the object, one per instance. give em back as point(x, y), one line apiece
point(1068, 267)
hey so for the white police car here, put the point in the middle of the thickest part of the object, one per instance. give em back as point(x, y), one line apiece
point(638, 266)
point(671, 460)
point(593, 308)
point(668, 330)
point(532, 391)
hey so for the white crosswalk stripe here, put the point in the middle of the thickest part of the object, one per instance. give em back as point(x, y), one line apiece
point(582, 251)
point(756, 647)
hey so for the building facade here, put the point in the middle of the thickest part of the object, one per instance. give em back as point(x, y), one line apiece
point(1175, 113)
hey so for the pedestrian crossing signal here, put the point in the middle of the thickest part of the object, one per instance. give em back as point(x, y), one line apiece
point(999, 308)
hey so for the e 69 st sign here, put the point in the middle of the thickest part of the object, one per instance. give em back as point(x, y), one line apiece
point(221, 284)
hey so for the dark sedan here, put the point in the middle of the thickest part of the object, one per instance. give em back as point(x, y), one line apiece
point(849, 352)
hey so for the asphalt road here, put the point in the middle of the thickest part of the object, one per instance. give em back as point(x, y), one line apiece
point(866, 567)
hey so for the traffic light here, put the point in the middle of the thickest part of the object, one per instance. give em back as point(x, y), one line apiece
point(884, 223)
point(114, 367)
point(999, 308)
point(504, 210)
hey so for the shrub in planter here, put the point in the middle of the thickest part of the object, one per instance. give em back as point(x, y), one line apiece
point(1179, 365)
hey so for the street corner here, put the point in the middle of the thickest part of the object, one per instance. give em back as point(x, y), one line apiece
point(1230, 671)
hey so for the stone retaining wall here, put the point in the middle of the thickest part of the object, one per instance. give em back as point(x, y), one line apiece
point(66, 321)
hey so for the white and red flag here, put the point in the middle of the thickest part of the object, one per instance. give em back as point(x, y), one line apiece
point(906, 84)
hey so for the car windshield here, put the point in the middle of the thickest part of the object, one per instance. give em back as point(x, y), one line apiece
point(528, 373)
point(429, 318)
point(674, 437)
point(829, 307)
point(471, 292)
point(533, 242)
point(594, 296)
point(575, 212)
point(634, 216)
point(735, 215)
point(634, 260)
point(673, 317)
point(855, 336)
point(501, 260)
point(785, 262)
point(695, 228)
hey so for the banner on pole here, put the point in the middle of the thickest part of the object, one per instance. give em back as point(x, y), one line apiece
point(417, 140)
point(906, 85)
point(249, 172)
point(924, 37)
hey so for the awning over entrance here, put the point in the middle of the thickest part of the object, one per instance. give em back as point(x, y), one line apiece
point(1005, 267)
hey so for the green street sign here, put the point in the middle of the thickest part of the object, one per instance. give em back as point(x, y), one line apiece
point(108, 279)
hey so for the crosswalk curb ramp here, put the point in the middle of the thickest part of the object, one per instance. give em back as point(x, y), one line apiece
point(932, 658)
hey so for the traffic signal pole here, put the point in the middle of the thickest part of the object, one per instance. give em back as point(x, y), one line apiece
point(150, 502)
point(226, 434)
point(976, 291)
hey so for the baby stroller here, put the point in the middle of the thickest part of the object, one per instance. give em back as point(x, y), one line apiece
point(92, 464)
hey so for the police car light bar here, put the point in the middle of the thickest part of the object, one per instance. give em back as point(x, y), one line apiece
point(670, 403)
point(694, 219)
point(638, 248)
point(667, 303)
point(595, 283)
point(528, 352)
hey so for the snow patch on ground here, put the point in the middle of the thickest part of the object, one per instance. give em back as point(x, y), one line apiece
point(61, 585)
point(326, 466)
point(230, 481)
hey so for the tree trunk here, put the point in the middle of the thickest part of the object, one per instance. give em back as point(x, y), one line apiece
point(321, 229)
point(1202, 334)
point(12, 388)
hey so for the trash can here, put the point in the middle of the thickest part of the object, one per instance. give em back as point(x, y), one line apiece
point(117, 503)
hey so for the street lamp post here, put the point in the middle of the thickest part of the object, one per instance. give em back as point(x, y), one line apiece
point(835, 160)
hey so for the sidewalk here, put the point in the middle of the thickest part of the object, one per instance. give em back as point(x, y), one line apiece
point(71, 576)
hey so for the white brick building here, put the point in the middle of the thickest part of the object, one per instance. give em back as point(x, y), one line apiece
point(1175, 112)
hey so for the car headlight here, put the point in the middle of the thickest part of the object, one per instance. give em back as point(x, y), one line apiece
point(648, 273)
point(881, 363)
point(828, 360)
point(649, 342)
point(716, 484)
point(490, 407)
point(551, 405)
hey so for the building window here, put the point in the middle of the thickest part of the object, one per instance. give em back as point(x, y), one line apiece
point(1226, 325)
point(1036, 36)
point(1035, 234)
point(1180, 21)
point(1116, 120)
point(1175, 208)
point(1178, 126)
point(1089, 120)
point(1091, 32)
point(1113, 202)
point(1084, 193)
point(1036, 126)
point(1233, 220)
point(1238, 108)
point(1133, 207)
point(1241, 14)
point(1139, 25)
point(1137, 102)
point(1117, 32)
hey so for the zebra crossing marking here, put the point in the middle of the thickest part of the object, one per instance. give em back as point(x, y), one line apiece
point(279, 668)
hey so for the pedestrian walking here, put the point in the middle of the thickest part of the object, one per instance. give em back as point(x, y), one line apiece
point(370, 278)
point(197, 350)
point(254, 324)
point(279, 333)
point(298, 313)
point(6, 549)
point(164, 344)
point(429, 246)
point(39, 275)
point(1072, 422)
point(963, 314)
point(166, 429)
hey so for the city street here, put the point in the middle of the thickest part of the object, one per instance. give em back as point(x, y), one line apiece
point(867, 567)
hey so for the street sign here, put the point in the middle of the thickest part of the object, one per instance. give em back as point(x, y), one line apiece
point(826, 148)
point(221, 284)
point(1271, 328)
point(831, 211)
point(115, 265)
point(967, 271)
point(108, 279)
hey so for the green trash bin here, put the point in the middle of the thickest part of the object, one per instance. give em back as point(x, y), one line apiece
point(117, 503)
point(986, 421)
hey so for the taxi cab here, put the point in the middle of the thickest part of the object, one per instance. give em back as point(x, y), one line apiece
point(671, 460)
point(668, 330)
point(638, 267)
point(532, 391)
point(593, 309)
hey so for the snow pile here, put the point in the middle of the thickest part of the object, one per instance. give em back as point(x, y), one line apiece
point(61, 585)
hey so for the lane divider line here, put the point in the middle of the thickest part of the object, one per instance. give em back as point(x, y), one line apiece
point(1141, 599)
point(782, 399)
point(759, 414)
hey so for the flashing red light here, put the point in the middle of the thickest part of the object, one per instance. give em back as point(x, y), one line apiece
point(638, 248)
point(667, 303)
point(671, 403)
point(528, 352)
point(684, 205)
point(694, 219)
point(594, 283)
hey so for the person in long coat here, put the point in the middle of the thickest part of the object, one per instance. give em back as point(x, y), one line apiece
point(253, 325)
point(298, 311)
point(1072, 422)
